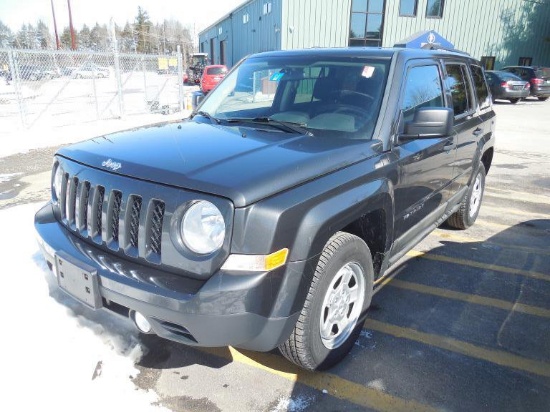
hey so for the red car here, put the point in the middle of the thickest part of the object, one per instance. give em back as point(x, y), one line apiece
point(211, 76)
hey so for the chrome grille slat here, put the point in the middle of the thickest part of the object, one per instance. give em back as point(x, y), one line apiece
point(70, 203)
point(107, 217)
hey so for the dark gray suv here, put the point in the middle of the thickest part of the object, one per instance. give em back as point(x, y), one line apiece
point(268, 218)
point(538, 77)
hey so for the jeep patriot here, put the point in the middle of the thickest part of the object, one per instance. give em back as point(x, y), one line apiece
point(267, 218)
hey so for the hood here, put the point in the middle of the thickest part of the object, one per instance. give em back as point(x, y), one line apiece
point(243, 164)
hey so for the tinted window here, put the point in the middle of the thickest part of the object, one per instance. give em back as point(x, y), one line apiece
point(509, 76)
point(422, 89)
point(216, 70)
point(481, 87)
point(457, 83)
point(407, 7)
point(543, 72)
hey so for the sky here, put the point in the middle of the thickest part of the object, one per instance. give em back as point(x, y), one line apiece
point(15, 13)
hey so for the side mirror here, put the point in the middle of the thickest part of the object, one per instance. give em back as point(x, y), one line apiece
point(428, 123)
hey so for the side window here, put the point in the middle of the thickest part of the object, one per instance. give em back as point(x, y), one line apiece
point(422, 89)
point(457, 83)
point(481, 87)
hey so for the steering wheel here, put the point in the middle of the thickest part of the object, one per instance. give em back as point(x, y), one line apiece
point(355, 111)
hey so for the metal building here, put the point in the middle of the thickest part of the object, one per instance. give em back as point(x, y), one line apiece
point(499, 32)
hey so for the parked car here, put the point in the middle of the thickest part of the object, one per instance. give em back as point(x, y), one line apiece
point(28, 72)
point(52, 73)
point(265, 218)
point(90, 70)
point(538, 77)
point(507, 86)
point(211, 76)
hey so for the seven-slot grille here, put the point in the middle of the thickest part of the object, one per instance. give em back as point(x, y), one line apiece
point(127, 223)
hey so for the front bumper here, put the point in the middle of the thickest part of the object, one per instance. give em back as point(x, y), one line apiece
point(254, 311)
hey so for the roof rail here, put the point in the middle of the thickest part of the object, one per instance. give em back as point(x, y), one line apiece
point(435, 46)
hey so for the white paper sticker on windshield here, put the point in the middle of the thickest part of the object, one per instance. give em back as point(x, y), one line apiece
point(368, 71)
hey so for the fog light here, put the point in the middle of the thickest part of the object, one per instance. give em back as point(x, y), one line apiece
point(142, 323)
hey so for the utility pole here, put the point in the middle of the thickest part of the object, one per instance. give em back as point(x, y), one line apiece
point(73, 40)
point(57, 43)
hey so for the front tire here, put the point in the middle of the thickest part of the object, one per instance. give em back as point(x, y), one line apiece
point(514, 101)
point(543, 99)
point(338, 297)
point(468, 211)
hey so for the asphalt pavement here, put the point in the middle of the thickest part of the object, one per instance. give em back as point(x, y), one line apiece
point(462, 325)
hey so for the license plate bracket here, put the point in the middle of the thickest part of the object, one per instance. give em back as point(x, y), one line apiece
point(78, 280)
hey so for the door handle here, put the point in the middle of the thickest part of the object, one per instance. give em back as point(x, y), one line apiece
point(477, 131)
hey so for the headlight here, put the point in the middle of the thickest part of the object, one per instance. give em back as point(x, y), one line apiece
point(57, 182)
point(203, 228)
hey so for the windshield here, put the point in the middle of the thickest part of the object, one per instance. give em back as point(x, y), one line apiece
point(336, 96)
point(216, 70)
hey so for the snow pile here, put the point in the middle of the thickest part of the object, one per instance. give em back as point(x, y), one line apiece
point(59, 355)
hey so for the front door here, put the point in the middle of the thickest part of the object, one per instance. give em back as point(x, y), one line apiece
point(425, 165)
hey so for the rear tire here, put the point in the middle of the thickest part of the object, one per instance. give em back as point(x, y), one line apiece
point(514, 101)
point(468, 211)
point(338, 297)
point(543, 99)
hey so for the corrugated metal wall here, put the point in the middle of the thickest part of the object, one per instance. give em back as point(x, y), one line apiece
point(506, 29)
point(261, 32)
point(311, 23)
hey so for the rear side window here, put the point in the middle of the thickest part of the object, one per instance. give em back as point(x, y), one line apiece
point(543, 72)
point(480, 86)
point(422, 89)
point(216, 70)
point(457, 82)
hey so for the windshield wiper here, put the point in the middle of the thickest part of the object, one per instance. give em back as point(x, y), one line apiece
point(289, 127)
point(207, 115)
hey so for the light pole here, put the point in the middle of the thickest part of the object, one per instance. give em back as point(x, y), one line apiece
point(57, 43)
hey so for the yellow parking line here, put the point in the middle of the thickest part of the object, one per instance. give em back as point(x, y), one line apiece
point(513, 211)
point(445, 234)
point(494, 356)
point(486, 266)
point(475, 299)
point(336, 386)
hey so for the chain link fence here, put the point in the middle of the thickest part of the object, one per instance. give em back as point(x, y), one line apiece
point(58, 88)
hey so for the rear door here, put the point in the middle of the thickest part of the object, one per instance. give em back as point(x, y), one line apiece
point(468, 126)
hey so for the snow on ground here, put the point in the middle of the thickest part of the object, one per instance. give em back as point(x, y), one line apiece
point(21, 140)
point(57, 354)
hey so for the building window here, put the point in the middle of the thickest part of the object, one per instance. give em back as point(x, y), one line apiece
point(267, 8)
point(407, 8)
point(367, 18)
point(246, 18)
point(525, 61)
point(220, 30)
point(434, 8)
point(488, 62)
